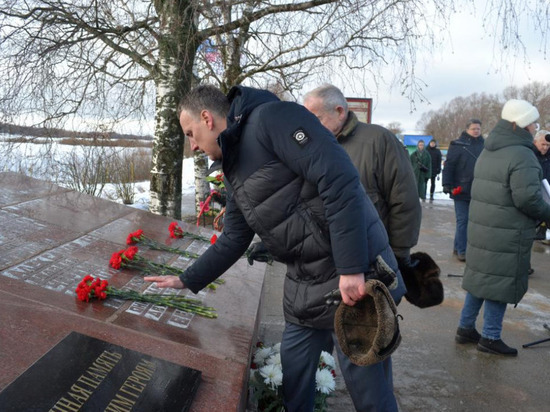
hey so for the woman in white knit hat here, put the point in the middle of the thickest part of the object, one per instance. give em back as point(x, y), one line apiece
point(506, 205)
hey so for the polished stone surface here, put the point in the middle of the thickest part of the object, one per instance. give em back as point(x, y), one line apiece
point(94, 375)
point(51, 237)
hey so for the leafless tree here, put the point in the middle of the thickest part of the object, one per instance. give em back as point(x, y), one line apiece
point(395, 127)
point(93, 60)
point(448, 122)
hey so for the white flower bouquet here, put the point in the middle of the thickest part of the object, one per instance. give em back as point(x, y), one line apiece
point(266, 379)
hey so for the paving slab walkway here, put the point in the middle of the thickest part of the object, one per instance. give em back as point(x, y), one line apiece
point(432, 372)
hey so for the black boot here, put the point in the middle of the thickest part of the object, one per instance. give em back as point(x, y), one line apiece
point(467, 336)
point(541, 233)
point(497, 347)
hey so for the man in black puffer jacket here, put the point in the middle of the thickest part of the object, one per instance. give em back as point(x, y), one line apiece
point(458, 175)
point(291, 183)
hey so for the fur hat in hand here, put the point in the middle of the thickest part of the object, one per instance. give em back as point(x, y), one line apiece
point(520, 112)
point(424, 288)
point(369, 331)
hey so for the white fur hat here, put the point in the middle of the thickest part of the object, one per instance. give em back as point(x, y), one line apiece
point(520, 112)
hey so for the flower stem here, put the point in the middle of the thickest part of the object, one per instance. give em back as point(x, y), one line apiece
point(174, 301)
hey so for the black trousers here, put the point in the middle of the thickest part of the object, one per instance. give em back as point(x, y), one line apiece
point(432, 185)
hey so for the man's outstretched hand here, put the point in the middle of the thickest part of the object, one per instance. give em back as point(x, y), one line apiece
point(166, 281)
point(352, 288)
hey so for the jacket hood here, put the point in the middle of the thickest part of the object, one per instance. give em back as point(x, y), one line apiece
point(245, 99)
point(507, 134)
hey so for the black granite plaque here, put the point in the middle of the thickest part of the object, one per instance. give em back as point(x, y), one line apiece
point(82, 373)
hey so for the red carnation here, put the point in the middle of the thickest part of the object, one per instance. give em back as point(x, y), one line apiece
point(175, 230)
point(130, 252)
point(457, 190)
point(213, 239)
point(135, 237)
point(116, 259)
point(89, 288)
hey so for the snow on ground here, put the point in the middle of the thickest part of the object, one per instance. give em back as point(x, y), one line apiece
point(39, 161)
point(141, 190)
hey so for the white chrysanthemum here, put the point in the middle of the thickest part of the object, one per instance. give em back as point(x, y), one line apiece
point(324, 381)
point(273, 375)
point(328, 359)
point(274, 360)
point(277, 347)
point(261, 355)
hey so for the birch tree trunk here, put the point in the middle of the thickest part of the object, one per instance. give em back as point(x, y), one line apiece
point(202, 187)
point(173, 77)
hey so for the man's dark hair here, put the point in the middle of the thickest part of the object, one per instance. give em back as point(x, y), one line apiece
point(471, 122)
point(204, 97)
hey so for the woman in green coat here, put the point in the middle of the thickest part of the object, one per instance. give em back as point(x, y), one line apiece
point(422, 167)
point(505, 207)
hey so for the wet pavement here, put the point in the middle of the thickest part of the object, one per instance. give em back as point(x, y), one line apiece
point(431, 371)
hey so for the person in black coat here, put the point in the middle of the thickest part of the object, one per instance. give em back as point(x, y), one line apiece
point(543, 157)
point(291, 183)
point(435, 154)
point(458, 175)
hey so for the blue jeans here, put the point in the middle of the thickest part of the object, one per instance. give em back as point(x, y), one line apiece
point(493, 313)
point(461, 212)
point(370, 387)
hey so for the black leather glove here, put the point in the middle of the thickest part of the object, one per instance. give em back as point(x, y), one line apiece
point(447, 189)
point(258, 252)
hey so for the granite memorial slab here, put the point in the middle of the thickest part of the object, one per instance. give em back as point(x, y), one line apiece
point(50, 238)
point(87, 374)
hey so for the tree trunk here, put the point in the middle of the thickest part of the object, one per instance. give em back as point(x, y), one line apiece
point(202, 187)
point(173, 75)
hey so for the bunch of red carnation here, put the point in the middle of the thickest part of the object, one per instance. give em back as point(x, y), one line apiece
point(175, 230)
point(90, 288)
point(123, 256)
point(135, 237)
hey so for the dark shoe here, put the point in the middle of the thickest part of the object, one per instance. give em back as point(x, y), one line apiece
point(460, 257)
point(467, 336)
point(497, 347)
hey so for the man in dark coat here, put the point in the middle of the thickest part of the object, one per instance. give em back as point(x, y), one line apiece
point(290, 182)
point(458, 174)
point(542, 145)
point(435, 155)
point(505, 207)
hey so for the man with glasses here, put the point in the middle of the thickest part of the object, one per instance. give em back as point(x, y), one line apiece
point(458, 174)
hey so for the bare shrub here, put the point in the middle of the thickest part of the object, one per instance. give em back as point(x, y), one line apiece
point(128, 167)
point(85, 169)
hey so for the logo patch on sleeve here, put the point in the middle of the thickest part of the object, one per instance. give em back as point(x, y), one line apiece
point(300, 137)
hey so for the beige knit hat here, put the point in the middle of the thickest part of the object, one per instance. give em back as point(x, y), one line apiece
point(520, 112)
point(369, 331)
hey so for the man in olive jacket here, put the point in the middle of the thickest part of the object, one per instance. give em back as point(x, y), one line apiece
point(505, 207)
point(383, 165)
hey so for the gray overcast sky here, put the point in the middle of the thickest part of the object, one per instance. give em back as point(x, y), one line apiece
point(468, 63)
